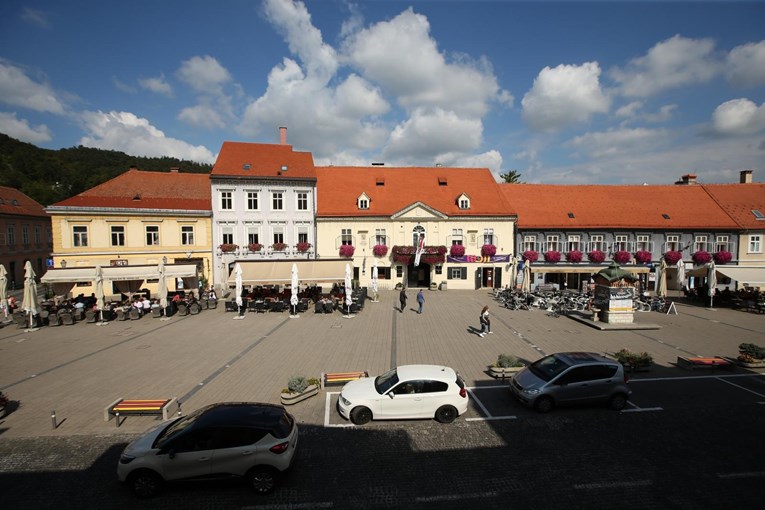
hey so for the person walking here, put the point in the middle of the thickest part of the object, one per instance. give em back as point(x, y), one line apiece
point(402, 299)
point(485, 322)
point(420, 301)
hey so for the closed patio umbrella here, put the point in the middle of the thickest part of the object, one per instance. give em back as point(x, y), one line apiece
point(4, 291)
point(712, 282)
point(348, 289)
point(162, 285)
point(30, 304)
point(100, 293)
point(513, 271)
point(661, 279)
point(294, 290)
point(526, 287)
point(680, 274)
point(239, 301)
point(374, 282)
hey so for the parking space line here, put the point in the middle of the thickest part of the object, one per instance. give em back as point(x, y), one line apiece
point(480, 404)
point(686, 378)
point(327, 408)
point(613, 485)
point(291, 506)
point(642, 409)
point(750, 474)
point(455, 497)
point(492, 418)
point(741, 387)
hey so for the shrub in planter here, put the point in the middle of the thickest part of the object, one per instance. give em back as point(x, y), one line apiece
point(596, 256)
point(751, 351)
point(297, 384)
point(254, 246)
point(622, 257)
point(298, 389)
point(279, 246)
point(303, 247)
point(228, 247)
point(574, 256)
point(633, 360)
point(508, 361)
point(722, 257)
point(552, 256)
point(457, 250)
point(347, 250)
point(701, 257)
point(488, 250)
point(643, 256)
point(530, 255)
point(380, 250)
point(672, 257)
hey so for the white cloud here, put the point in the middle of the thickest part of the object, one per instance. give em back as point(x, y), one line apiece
point(564, 95)
point(36, 17)
point(618, 141)
point(158, 85)
point(404, 59)
point(202, 115)
point(738, 117)
point(17, 89)
point(124, 131)
point(427, 135)
point(204, 74)
point(672, 63)
point(746, 65)
point(21, 130)
point(634, 111)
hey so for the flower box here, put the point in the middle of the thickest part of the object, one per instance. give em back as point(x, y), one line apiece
point(596, 256)
point(279, 246)
point(722, 257)
point(347, 250)
point(552, 256)
point(574, 256)
point(504, 372)
point(288, 399)
point(457, 250)
point(672, 257)
point(622, 257)
point(380, 250)
point(254, 246)
point(530, 255)
point(633, 361)
point(701, 257)
point(488, 250)
point(506, 365)
point(303, 247)
point(228, 247)
point(643, 256)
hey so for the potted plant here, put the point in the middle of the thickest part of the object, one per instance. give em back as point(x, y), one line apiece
point(3, 403)
point(506, 366)
point(457, 250)
point(380, 250)
point(530, 255)
point(643, 256)
point(303, 247)
point(622, 257)
point(596, 256)
point(347, 250)
point(751, 356)
point(574, 256)
point(254, 246)
point(433, 286)
point(488, 250)
point(701, 257)
point(279, 246)
point(634, 361)
point(228, 247)
point(552, 256)
point(722, 257)
point(398, 286)
point(672, 257)
point(298, 389)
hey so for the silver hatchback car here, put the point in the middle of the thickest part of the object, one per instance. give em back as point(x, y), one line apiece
point(572, 378)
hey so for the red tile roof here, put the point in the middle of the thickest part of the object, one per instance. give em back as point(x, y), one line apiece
point(604, 206)
point(264, 160)
point(14, 202)
point(392, 189)
point(739, 200)
point(137, 189)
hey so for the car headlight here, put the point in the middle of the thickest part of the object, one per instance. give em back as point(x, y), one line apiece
point(531, 391)
point(126, 459)
point(345, 401)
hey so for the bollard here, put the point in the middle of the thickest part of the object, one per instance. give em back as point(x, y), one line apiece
point(53, 419)
point(117, 416)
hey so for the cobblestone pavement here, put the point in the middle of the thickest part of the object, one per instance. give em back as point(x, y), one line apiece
point(692, 442)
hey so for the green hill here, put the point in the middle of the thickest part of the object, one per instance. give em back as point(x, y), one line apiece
point(49, 176)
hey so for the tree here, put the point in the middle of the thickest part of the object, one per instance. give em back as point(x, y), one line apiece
point(512, 177)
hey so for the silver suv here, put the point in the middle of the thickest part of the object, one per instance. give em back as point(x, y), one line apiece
point(571, 378)
point(243, 439)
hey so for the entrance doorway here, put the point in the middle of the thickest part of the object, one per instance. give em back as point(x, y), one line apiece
point(418, 276)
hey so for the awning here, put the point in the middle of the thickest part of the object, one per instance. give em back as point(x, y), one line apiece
point(536, 268)
point(754, 276)
point(117, 273)
point(64, 275)
point(280, 272)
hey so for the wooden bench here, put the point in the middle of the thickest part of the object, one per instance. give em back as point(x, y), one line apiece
point(333, 378)
point(704, 363)
point(167, 408)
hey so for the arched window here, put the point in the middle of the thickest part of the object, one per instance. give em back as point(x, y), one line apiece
point(417, 232)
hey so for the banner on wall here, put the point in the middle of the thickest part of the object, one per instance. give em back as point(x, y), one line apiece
point(478, 258)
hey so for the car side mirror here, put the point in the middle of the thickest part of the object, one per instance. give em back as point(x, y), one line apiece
point(391, 394)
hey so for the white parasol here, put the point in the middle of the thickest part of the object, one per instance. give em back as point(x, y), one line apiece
point(712, 282)
point(4, 291)
point(162, 284)
point(661, 279)
point(294, 291)
point(30, 304)
point(680, 274)
point(374, 282)
point(526, 287)
point(513, 271)
point(238, 273)
point(348, 289)
point(100, 293)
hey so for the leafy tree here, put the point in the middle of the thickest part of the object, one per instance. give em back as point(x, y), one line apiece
point(512, 177)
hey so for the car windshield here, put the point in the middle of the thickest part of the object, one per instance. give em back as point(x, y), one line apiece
point(176, 428)
point(548, 367)
point(386, 381)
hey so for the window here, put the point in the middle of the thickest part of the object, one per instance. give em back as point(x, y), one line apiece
point(464, 203)
point(363, 203)
point(38, 237)
point(79, 236)
point(673, 243)
point(755, 244)
point(278, 235)
point(226, 201)
point(25, 235)
point(346, 237)
point(552, 243)
point(488, 236)
point(152, 235)
point(302, 201)
point(227, 235)
point(187, 235)
point(457, 236)
point(721, 243)
point(700, 243)
point(252, 200)
point(302, 235)
point(118, 235)
point(2, 238)
point(12, 235)
point(418, 233)
point(529, 243)
point(644, 242)
point(277, 201)
point(380, 237)
point(399, 271)
point(237, 437)
point(620, 243)
point(253, 236)
point(596, 242)
point(457, 273)
point(574, 243)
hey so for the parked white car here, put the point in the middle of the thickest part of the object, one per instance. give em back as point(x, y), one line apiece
point(409, 391)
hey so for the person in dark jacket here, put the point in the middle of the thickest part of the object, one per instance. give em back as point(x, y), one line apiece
point(402, 299)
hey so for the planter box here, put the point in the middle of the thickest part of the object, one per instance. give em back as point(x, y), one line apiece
point(289, 399)
point(503, 373)
point(630, 368)
point(749, 364)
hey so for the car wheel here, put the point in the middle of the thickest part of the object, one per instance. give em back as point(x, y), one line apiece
point(544, 404)
point(262, 479)
point(618, 402)
point(446, 414)
point(145, 483)
point(361, 415)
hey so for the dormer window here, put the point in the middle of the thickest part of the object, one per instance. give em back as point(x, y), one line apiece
point(758, 214)
point(463, 201)
point(363, 201)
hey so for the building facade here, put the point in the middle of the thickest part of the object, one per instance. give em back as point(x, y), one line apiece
point(25, 234)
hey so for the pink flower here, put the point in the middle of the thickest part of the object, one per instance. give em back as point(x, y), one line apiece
point(722, 257)
point(488, 250)
point(596, 256)
point(643, 256)
point(574, 256)
point(701, 257)
point(380, 250)
point(457, 250)
point(671, 257)
point(530, 255)
point(552, 256)
point(622, 257)
point(347, 250)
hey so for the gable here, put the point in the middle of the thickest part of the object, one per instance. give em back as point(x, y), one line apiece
point(418, 211)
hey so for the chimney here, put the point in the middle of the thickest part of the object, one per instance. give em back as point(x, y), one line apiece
point(745, 177)
point(282, 136)
point(687, 179)
point(174, 169)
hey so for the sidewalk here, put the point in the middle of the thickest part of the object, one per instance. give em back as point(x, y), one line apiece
point(78, 370)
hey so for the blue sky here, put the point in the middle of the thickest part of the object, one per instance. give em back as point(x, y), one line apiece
point(563, 92)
